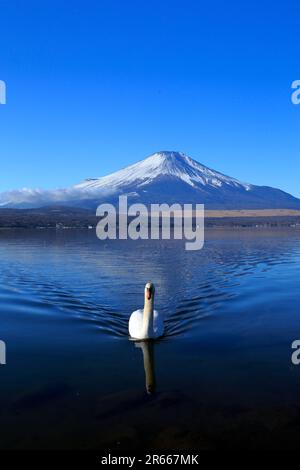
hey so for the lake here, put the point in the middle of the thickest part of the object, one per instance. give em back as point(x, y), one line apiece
point(222, 376)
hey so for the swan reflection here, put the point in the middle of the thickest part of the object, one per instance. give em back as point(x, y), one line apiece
point(147, 348)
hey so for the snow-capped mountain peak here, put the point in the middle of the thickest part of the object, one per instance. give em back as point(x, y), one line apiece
point(164, 177)
point(174, 164)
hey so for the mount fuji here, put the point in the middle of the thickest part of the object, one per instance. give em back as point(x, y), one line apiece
point(164, 177)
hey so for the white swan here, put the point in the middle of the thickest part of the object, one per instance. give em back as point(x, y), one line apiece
point(146, 323)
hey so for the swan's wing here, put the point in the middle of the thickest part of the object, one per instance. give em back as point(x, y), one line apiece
point(135, 324)
point(158, 324)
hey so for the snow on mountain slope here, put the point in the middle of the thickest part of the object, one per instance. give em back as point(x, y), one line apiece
point(164, 177)
point(174, 164)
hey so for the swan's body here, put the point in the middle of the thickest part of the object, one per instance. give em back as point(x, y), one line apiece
point(136, 323)
point(146, 323)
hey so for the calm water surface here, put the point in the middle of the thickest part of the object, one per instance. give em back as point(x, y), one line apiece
point(222, 375)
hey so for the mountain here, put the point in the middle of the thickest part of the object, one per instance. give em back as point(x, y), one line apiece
point(164, 177)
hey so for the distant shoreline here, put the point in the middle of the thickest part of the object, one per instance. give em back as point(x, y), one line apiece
point(253, 213)
point(75, 218)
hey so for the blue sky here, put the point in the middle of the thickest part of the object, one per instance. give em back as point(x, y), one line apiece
point(96, 85)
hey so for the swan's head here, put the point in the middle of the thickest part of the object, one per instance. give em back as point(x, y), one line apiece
point(149, 291)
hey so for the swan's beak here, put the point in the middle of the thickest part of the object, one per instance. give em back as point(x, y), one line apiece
point(149, 293)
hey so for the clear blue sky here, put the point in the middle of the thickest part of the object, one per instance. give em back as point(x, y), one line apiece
point(93, 86)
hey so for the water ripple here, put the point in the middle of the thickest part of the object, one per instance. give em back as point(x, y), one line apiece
point(101, 287)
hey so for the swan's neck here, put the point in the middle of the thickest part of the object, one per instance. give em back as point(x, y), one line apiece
point(148, 317)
